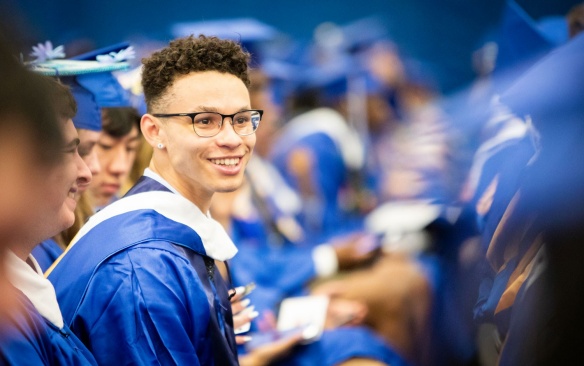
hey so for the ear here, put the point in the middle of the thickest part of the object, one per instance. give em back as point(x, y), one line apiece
point(152, 130)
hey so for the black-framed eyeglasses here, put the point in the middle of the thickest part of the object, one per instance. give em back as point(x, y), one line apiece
point(208, 124)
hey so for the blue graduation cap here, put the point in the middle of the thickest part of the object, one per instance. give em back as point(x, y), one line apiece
point(363, 33)
point(249, 32)
point(519, 39)
point(104, 86)
point(91, 81)
point(237, 29)
point(552, 89)
point(334, 79)
point(554, 28)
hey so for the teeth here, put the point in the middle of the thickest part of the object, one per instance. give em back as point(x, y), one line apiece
point(227, 162)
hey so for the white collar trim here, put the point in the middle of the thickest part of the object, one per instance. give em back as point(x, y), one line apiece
point(35, 287)
point(217, 243)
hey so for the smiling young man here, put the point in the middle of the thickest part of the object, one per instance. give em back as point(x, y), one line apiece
point(145, 288)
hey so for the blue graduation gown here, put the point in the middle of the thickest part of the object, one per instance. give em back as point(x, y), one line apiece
point(26, 338)
point(340, 345)
point(509, 164)
point(329, 177)
point(336, 152)
point(138, 287)
point(46, 253)
point(278, 271)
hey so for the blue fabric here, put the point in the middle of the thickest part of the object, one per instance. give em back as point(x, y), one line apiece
point(343, 344)
point(107, 90)
point(88, 115)
point(141, 293)
point(323, 216)
point(278, 272)
point(26, 338)
point(510, 164)
point(46, 253)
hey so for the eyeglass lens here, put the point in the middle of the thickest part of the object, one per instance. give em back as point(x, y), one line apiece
point(209, 123)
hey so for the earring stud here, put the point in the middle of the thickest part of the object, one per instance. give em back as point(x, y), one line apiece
point(160, 145)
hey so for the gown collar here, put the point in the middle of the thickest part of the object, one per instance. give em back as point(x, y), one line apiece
point(35, 287)
point(216, 242)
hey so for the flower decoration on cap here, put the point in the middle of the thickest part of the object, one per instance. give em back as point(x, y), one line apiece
point(113, 57)
point(45, 52)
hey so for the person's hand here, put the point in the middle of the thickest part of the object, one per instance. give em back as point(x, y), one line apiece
point(356, 250)
point(269, 352)
point(345, 312)
point(243, 314)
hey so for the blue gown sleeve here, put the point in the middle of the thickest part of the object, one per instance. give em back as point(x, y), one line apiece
point(145, 306)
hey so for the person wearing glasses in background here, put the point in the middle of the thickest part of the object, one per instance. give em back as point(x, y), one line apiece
point(147, 289)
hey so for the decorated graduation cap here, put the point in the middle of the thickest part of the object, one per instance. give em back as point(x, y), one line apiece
point(89, 76)
point(105, 86)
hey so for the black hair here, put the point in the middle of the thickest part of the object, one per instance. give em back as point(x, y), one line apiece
point(119, 121)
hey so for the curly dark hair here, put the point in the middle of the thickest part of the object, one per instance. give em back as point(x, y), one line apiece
point(191, 54)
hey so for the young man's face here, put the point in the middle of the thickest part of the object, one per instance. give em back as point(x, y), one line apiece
point(66, 182)
point(198, 165)
point(116, 156)
point(88, 139)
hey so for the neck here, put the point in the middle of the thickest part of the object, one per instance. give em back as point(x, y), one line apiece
point(202, 201)
point(22, 251)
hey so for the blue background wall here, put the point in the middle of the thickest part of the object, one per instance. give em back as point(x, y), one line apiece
point(443, 32)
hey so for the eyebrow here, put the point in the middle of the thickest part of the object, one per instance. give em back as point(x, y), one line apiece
point(214, 109)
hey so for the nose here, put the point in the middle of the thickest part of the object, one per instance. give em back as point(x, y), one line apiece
point(227, 136)
point(119, 164)
point(84, 173)
point(92, 162)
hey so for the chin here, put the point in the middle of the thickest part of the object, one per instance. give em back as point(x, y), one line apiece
point(66, 221)
point(229, 185)
point(227, 188)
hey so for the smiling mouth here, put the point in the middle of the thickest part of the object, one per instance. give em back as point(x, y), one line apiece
point(226, 162)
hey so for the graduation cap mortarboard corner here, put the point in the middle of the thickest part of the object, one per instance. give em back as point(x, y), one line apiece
point(108, 50)
point(519, 38)
point(553, 87)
